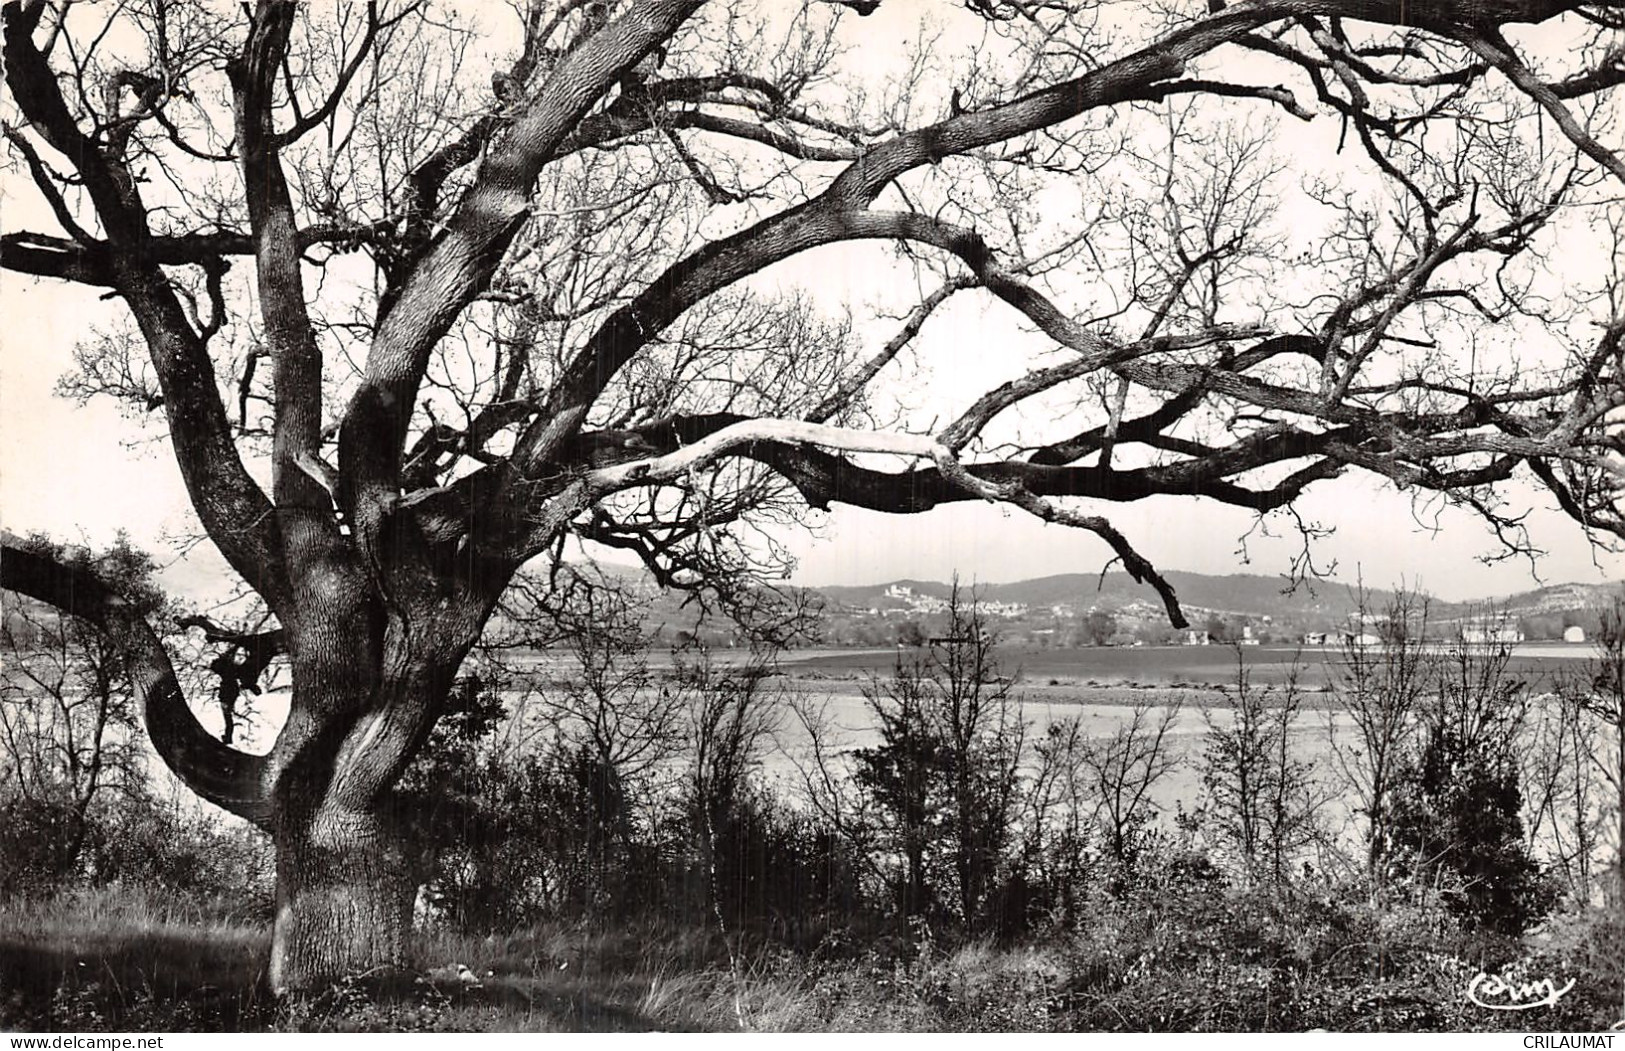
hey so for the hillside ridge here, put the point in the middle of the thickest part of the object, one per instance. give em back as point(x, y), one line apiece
point(1248, 593)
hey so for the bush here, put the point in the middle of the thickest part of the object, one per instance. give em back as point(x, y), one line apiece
point(38, 846)
point(778, 873)
point(1458, 816)
point(184, 849)
point(218, 863)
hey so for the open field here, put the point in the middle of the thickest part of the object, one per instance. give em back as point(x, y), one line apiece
point(1173, 665)
point(1094, 676)
point(1102, 686)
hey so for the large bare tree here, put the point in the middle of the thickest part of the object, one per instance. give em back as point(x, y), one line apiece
point(418, 296)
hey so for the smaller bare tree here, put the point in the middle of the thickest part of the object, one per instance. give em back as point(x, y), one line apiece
point(823, 761)
point(1372, 727)
point(1123, 769)
point(1561, 804)
point(732, 715)
point(1458, 815)
point(70, 731)
point(1263, 796)
point(982, 725)
point(1598, 697)
point(607, 703)
point(900, 776)
point(1057, 824)
point(946, 777)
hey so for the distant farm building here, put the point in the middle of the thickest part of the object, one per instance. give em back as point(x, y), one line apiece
point(1195, 637)
point(1314, 638)
point(1363, 630)
point(1491, 630)
point(1574, 634)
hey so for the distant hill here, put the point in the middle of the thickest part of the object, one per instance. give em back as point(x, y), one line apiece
point(1559, 598)
point(1251, 594)
point(1310, 605)
point(1240, 593)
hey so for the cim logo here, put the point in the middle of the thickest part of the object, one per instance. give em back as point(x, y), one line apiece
point(1495, 993)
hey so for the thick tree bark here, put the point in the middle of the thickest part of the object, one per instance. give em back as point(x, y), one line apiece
point(369, 680)
point(343, 889)
point(343, 897)
point(364, 700)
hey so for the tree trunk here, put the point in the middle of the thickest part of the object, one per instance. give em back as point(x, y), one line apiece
point(344, 889)
point(343, 898)
point(367, 688)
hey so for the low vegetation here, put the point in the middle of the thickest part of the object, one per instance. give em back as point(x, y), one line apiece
point(607, 851)
point(1184, 953)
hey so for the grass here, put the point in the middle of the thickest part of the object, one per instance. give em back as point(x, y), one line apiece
point(119, 960)
point(1174, 958)
point(118, 957)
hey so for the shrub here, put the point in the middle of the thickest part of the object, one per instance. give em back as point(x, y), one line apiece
point(1459, 817)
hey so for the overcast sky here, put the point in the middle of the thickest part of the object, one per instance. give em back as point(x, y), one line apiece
point(82, 473)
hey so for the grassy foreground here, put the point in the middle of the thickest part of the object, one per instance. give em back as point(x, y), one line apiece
point(117, 960)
